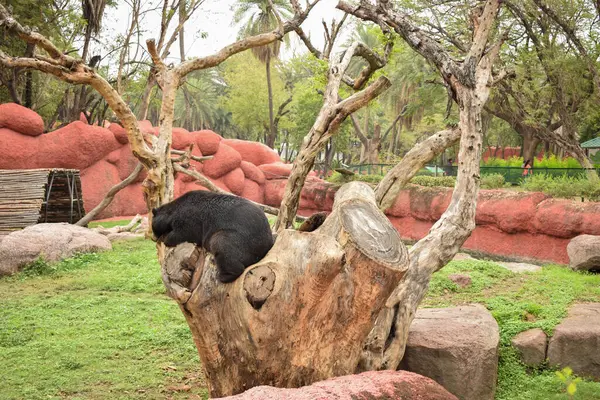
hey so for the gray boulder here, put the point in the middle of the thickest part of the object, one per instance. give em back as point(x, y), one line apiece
point(456, 347)
point(584, 253)
point(531, 346)
point(53, 242)
point(576, 341)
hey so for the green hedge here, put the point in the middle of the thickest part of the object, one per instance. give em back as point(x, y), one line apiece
point(562, 186)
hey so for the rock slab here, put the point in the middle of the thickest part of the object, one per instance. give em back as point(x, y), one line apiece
point(576, 341)
point(53, 242)
point(584, 253)
point(519, 268)
point(531, 346)
point(456, 347)
point(372, 385)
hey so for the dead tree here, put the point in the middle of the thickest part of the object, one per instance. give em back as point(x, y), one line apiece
point(301, 314)
point(469, 80)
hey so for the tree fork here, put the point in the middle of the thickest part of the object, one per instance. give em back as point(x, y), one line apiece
point(298, 316)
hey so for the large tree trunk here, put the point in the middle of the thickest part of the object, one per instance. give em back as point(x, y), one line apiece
point(530, 144)
point(299, 315)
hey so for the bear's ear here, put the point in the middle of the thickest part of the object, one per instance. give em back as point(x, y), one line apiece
point(154, 210)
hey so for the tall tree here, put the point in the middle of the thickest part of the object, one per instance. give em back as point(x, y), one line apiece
point(262, 16)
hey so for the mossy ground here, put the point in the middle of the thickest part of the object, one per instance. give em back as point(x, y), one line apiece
point(99, 326)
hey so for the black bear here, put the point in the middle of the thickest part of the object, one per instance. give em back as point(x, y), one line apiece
point(233, 229)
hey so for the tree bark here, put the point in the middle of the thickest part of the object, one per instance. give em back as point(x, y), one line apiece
point(530, 143)
point(299, 315)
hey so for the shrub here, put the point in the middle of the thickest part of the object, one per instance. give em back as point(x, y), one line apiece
point(562, 186)
point(492, 181)
point(432, 181)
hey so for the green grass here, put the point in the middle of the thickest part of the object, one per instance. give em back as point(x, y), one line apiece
point(98, 326)
point(520, 302)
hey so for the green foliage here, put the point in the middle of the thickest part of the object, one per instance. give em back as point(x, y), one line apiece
point(492, 181)
point(554, 162)
point(562, 186)
point(247, 96)
point(499, 162)
point(568, 380)
point(432, 181)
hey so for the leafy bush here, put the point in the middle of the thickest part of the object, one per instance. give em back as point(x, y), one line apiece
point(432, 181)
point(562, 186)
point(554, 162)
point(546, 162)
point(492, 181)
point(425, 172)
point(499, 162)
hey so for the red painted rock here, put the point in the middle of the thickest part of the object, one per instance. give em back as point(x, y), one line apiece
point(560, 218)
point(127, 163)
point(146, 127)
point(21, 119)
point(119, 132)
point(234, 180)
point(372, 385)
point(223, 161)
point(428, 203)
point(114, 156)
point(510, 211)
point(208, 142)
point(276, 170)
point(18, 151)
point(253, 191)
point(181, 139)
point(96, 181)
point(401, 207)
point(274, 192)
point(76, 145)
point(130, 200)
point(252, 172)
point(254, 152)
point(590, 222)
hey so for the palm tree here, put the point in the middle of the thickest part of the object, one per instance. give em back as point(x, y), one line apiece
point(259, 17)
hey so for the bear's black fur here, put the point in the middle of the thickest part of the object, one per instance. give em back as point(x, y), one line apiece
point(233, 229)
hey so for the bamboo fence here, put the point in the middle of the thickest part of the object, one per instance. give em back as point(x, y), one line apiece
point(30, 196)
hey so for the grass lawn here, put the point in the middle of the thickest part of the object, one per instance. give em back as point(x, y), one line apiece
point(98, 326)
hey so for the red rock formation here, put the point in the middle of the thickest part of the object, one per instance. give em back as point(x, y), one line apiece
point(256, 153)
point(521, 225)
point(20, 119)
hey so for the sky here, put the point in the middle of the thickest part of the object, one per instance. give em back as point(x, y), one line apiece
point(214, 18)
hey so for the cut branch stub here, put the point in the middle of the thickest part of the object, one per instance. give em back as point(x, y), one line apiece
point(301, 314)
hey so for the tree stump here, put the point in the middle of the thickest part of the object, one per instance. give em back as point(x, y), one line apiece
point(300, 315)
